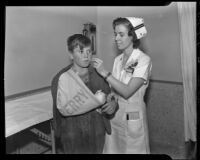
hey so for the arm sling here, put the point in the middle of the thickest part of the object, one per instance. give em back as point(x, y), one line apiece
point(75, 98)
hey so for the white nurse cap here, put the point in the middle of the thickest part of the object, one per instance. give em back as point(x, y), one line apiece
point(138, 25)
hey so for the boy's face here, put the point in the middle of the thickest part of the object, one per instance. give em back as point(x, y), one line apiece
point(82, 58)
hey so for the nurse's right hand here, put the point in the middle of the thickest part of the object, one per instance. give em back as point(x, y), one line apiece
point(98, 65)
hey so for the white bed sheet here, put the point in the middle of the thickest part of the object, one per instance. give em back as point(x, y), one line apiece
point(27, 111)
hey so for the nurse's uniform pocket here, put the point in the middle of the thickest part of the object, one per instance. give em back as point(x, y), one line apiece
point(134, 124)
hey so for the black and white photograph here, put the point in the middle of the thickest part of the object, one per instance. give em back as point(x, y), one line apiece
point(101, 80)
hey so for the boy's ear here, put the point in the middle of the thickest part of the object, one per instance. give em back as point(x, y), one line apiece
point(70, 53)
point(71, 56)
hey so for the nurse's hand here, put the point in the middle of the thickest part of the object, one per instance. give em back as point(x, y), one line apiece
point(98, 65)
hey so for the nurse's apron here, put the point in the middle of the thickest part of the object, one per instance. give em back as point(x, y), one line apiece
point(129, 136)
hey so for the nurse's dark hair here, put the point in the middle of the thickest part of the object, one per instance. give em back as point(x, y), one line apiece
point(78, 40)
point(131, 30)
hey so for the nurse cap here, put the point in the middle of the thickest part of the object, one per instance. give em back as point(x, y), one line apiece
point(138, 25)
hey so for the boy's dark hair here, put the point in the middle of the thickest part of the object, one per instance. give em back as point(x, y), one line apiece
point(78, 40)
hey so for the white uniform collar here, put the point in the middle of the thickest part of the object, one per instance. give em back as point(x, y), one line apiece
point(133, 57)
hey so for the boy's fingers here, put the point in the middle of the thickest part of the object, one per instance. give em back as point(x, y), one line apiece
point(104, 106)
point(107, 107)
point(108, 110)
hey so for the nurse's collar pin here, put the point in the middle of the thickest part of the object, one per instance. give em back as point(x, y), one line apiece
point(130, 67)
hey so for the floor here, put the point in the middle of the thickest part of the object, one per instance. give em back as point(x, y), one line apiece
point(29, 144)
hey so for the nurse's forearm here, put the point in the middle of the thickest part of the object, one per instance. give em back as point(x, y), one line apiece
point(122, 89)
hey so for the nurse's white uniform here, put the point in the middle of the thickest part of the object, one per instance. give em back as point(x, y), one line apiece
point(130, 136)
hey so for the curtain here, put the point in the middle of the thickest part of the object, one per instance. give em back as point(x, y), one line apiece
point(187, 26)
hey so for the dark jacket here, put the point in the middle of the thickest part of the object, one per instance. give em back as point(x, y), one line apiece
point(94, 77)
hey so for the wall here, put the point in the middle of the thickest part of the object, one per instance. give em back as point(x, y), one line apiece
point(161, 43)
point(36, 37)
point(35, 51)
point(166, 117)
point(35, 46)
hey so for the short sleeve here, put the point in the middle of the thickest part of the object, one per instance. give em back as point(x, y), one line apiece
point(114, 69)
point(143, 68)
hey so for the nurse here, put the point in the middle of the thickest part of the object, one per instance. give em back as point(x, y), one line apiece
point(129, 80)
